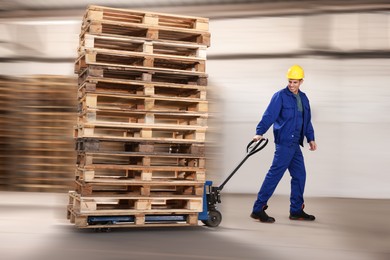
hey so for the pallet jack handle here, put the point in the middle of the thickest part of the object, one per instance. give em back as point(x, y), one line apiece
point(211, 216)
point(252, 148)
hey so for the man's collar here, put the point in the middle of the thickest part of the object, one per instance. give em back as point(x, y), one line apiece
point(290, 93)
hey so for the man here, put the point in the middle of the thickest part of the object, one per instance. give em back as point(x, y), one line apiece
point(289, 113)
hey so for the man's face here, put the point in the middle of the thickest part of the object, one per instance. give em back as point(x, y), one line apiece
point(294, 84)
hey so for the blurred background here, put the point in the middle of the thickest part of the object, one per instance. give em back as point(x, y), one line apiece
point(344, 47)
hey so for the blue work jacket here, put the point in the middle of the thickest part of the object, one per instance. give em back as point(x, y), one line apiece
point(282, 112)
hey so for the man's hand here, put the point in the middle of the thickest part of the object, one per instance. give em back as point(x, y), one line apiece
point(313, 146)
point(257, 138)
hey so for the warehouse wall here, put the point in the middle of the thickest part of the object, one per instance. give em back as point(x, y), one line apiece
point(346, 82)
point(350, 116)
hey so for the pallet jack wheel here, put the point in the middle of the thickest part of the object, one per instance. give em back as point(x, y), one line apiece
point(106, 230)
point(102, 230)
point(215, 218)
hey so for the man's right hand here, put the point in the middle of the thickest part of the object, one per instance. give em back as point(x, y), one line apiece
point(257, 138)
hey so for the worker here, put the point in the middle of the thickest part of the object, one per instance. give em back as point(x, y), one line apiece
point(289, 113)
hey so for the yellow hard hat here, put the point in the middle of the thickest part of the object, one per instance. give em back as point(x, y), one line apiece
point(295, 72)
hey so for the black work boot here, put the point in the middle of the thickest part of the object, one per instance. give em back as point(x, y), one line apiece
point(262, 216)
point(302, 216)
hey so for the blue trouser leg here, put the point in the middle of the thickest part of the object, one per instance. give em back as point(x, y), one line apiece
point(286, 157)
point(298, 179)
point(282, 158)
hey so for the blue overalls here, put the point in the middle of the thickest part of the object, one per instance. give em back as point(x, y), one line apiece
point(290, 127)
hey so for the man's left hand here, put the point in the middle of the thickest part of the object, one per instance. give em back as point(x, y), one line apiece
point(313, 146)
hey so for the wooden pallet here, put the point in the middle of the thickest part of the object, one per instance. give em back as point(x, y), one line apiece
point(138, 220)
point(141, 116)
point(139, 158)
point(40, 113)
point(129, 102)
point(196, 32)
point(141, 88)
point(139, 45)
point(111, 186)
point(114, 29)
point(135, 131)
point(141, 163)
point(125, 173)
point(124, 204)
point(142, 74)
point(185, 147)
point(171, 21)
point(138, 60)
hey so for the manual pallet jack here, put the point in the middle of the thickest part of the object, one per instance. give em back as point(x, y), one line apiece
point(210, 216)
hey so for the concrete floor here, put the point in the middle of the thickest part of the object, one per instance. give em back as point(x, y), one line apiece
point(33, 226)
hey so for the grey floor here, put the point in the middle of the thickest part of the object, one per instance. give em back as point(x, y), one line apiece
point(33, 226)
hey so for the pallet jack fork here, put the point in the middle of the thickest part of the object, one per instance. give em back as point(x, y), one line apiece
point(210, 216)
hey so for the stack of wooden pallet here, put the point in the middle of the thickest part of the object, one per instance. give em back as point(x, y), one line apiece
point(142, 119)
point(37, 114)
point(6, 121)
